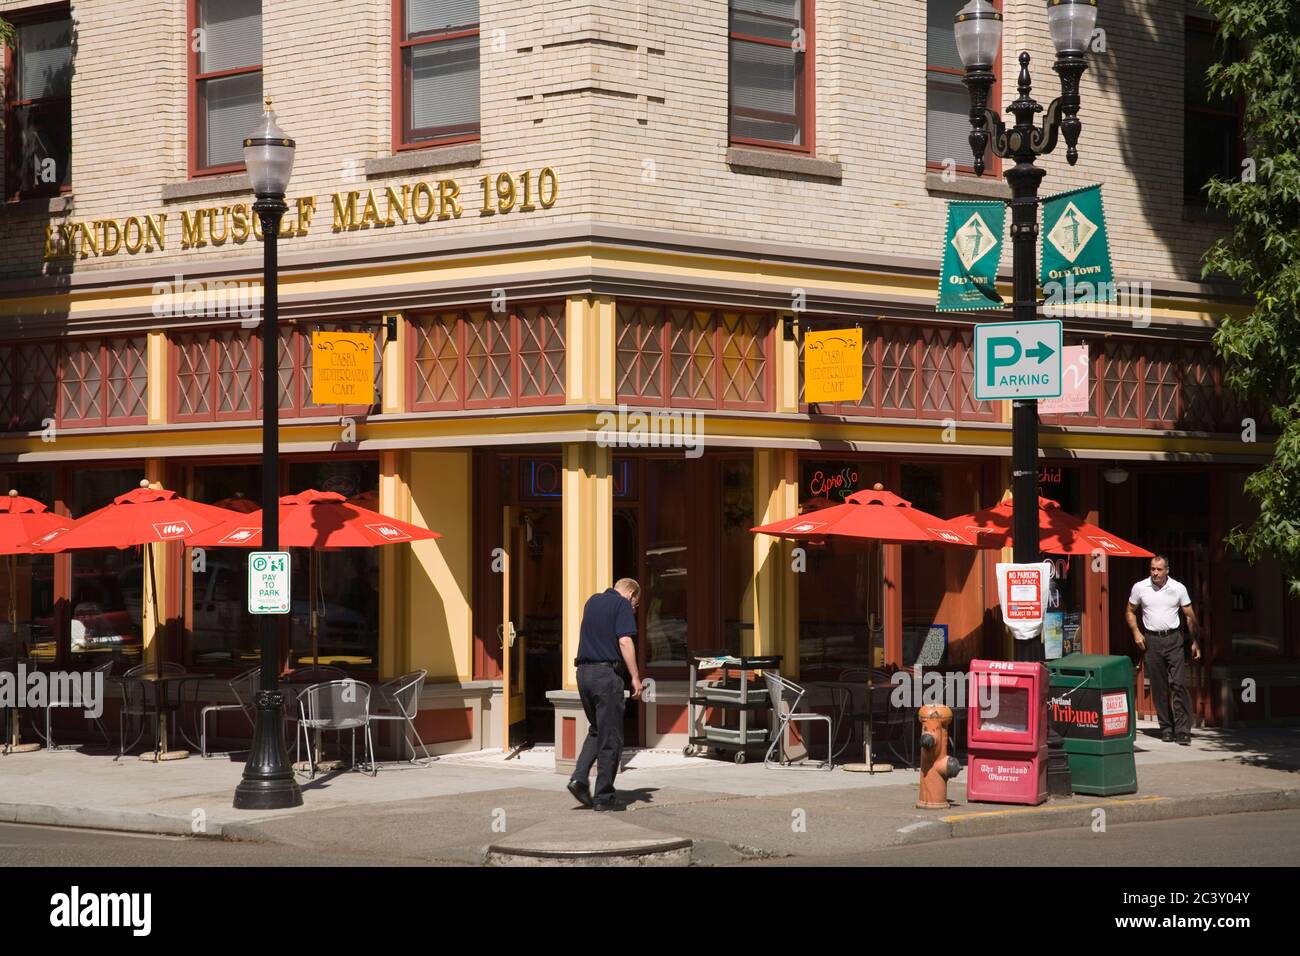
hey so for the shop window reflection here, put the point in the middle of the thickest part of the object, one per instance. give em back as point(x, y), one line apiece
point(737, 549)
point(666, 560)
point(27, 583)
point(222, 632)
point(840, 589)
point(941, 586)
point(1255, 591)
point(107, 597)
point(347, 593)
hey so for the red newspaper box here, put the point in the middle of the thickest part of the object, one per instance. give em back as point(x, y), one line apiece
point(1006, 732)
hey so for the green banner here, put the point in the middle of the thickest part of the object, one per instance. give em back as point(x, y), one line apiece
point(972, 250)
point(1076, 248)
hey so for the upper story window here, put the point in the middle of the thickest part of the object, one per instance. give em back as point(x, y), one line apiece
point(38, 108)
point(947, 102)
point(771, 83)
point(1211, 125)
point(225, 42)
point(435, 54)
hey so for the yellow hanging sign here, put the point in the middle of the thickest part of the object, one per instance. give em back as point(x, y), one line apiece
point(343, 368)
point(832, 366)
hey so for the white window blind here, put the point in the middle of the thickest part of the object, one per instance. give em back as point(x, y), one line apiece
point(444, 85)
point(948, 124)
point(45, 59)
point(233, 105)
point(438, 16)
point(772, 19)
point(231, 34)
point(941, 40)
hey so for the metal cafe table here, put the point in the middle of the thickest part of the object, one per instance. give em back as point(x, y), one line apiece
point(156, 689)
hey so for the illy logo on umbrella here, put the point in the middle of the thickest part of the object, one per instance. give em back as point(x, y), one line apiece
point(239, 535)
point(168, 530)
point(388, 532)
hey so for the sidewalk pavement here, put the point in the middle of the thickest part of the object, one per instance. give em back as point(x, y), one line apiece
point(451, 811)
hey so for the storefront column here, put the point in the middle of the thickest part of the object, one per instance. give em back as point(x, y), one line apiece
point(786, 356)
point(394, 501)
point(156, 365)
point(394, 378)
point(590, 350)
point(440, 634)
point(153, 604)
point(776, 589)
point(587, 516)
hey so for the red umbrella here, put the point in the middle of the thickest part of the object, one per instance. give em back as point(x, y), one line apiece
point(313, 519)
point(142, 516)
point(21, 520)
point(878, 515)
point(316, 520)
point(1059, 531)
point(238, 504)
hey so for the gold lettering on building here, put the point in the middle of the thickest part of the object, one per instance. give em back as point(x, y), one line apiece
point(216, 226)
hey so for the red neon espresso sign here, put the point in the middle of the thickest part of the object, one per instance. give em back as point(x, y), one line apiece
point(840, 484)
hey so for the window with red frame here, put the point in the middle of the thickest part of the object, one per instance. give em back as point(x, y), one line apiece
point(1211, 125)
point(479, 358)
point(38, 107)
point(436, 60)
point(75, 383)
point(771, 83)
point(694, 358)
point(225, 44)
point(947, 102)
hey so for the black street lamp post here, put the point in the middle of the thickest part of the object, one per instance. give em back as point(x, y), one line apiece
point(978, 29)
point(268, 782)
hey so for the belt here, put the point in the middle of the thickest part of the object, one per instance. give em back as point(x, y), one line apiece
point(1161, 633)
point(581, 663)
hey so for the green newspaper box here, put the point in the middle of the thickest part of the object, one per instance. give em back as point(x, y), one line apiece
point(1090, 704)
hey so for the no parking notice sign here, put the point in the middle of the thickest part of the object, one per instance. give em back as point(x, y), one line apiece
point(1022, 590)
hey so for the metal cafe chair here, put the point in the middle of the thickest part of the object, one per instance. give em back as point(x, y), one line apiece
point(296, 681)
point(778, 688)
point(59, 695)
point(400, 700)
point(242, 688)
point(336, 705)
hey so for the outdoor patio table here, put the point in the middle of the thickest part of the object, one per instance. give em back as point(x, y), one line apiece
point(162, 684)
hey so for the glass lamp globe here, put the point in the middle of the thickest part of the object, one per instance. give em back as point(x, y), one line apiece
point(1071, 23)
point(268, 154)
point(978, 28)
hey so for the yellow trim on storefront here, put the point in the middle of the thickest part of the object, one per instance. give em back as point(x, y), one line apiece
point(582, 258)
point(495, 424)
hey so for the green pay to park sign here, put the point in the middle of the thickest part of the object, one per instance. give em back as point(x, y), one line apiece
point(268, 582)
point(972, 251)
point(1017, 360)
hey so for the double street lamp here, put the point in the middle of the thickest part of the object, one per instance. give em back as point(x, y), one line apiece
point(978, 29)
point(268, 782)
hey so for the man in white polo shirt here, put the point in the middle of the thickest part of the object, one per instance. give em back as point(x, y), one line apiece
point(1159, 598)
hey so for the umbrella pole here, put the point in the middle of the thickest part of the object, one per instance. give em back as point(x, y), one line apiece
point(312, 572)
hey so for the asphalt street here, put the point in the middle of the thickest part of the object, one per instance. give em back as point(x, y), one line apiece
point(1244, 839)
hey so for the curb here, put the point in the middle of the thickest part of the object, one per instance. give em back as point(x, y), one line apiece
point(1118, 810)
point(123, 821)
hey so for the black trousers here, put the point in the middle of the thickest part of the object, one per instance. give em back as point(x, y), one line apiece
point(1167, 671)
point(601, 691)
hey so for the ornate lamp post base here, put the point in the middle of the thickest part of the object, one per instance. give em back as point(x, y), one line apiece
point(268, 782)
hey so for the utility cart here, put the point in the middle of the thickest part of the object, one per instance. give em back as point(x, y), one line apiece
point(746, 699)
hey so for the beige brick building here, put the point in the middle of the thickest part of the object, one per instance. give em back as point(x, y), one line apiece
point(565, 208)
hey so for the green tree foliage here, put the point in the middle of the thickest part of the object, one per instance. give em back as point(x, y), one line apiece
point(1261, 350)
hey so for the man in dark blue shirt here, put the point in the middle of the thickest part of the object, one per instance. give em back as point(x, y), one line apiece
point(605, 654)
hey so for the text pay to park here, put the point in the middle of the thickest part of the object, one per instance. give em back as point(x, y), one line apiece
point(268, 582)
